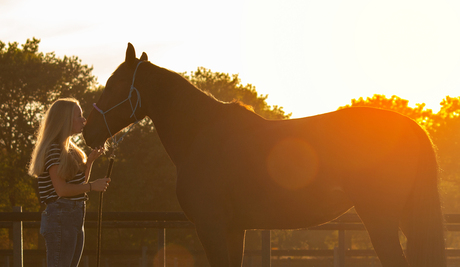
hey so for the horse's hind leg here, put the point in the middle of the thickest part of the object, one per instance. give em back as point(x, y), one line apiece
point(384, 234)
point(423, 227)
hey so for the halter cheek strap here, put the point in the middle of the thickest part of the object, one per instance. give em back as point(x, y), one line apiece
point(138, 103)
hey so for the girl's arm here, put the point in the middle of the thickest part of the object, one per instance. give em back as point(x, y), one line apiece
point(63, 189)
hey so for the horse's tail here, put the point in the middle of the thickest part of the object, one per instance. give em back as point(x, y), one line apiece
point(423, 221)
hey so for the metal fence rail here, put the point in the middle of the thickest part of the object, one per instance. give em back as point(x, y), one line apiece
point(18, 220)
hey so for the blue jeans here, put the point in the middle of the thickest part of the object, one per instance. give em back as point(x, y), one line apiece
point(62, 226)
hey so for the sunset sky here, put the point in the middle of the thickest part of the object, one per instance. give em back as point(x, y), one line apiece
point(309, 56)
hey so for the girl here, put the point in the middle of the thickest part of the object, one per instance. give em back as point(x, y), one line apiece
point(63, 172)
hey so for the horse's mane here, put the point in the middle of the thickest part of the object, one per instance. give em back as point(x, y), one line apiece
point(241, 104)
point(234, 102)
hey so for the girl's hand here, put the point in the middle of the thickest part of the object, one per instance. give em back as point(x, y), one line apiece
point(95, 153)
point(100, 185)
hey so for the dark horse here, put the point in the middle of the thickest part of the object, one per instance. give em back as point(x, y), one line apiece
point(238, 171)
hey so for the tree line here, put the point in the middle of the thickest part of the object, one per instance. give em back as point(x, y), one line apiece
point(143, 177)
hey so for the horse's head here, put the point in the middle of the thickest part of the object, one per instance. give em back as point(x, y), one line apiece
point(119, 104)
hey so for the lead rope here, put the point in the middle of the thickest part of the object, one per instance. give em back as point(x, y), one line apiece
point(99, 218)
point(115, 143)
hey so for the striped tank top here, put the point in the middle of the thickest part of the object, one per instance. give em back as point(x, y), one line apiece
point(45, 185)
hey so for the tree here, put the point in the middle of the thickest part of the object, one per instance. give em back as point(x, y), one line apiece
point(445, 132)
point(29, 82)
point(421, 115)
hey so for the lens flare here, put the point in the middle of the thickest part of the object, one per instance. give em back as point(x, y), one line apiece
point(293, 163)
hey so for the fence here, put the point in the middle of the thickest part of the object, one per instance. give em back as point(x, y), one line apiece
point(17, 220)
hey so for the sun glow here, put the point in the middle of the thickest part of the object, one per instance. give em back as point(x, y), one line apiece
point(320, 56)
point(400, 47)
point(406, 47)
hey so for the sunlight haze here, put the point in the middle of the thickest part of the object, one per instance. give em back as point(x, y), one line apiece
point(309, 56)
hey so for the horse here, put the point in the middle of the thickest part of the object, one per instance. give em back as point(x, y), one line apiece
point(238, 171)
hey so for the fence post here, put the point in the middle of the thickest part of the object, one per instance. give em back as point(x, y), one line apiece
point(341, 248)
point(266, 249)
point(162, 246)
point(18, 254)
point(85, 261)
point(336, 257)
point(144, 256)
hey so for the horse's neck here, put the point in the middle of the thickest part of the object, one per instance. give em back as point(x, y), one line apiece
point(180, 112)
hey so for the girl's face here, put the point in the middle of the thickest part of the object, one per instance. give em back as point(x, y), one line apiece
point(78, 120)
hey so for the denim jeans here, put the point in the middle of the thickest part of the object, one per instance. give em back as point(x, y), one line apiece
point(63, 229)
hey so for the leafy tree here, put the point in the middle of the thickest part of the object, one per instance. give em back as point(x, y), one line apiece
point(445, 135)
point(421, 115)
point(29, 82)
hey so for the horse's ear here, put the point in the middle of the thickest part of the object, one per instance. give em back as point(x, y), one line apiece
point(144, 57)
point(130, 54)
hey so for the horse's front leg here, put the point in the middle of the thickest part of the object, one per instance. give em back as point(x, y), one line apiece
point(223, 247)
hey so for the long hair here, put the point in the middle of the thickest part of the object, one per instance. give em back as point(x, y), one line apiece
point(56, 127)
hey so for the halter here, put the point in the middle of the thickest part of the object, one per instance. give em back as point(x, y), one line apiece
point(115, 142)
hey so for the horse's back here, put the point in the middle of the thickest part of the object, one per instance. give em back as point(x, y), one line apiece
point(352, 139)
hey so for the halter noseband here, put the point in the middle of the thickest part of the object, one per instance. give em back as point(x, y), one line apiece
point(133, 108)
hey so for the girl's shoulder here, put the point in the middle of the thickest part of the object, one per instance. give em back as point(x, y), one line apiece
point(53, 151)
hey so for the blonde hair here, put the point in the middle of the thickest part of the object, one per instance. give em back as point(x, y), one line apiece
point(56, 127)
